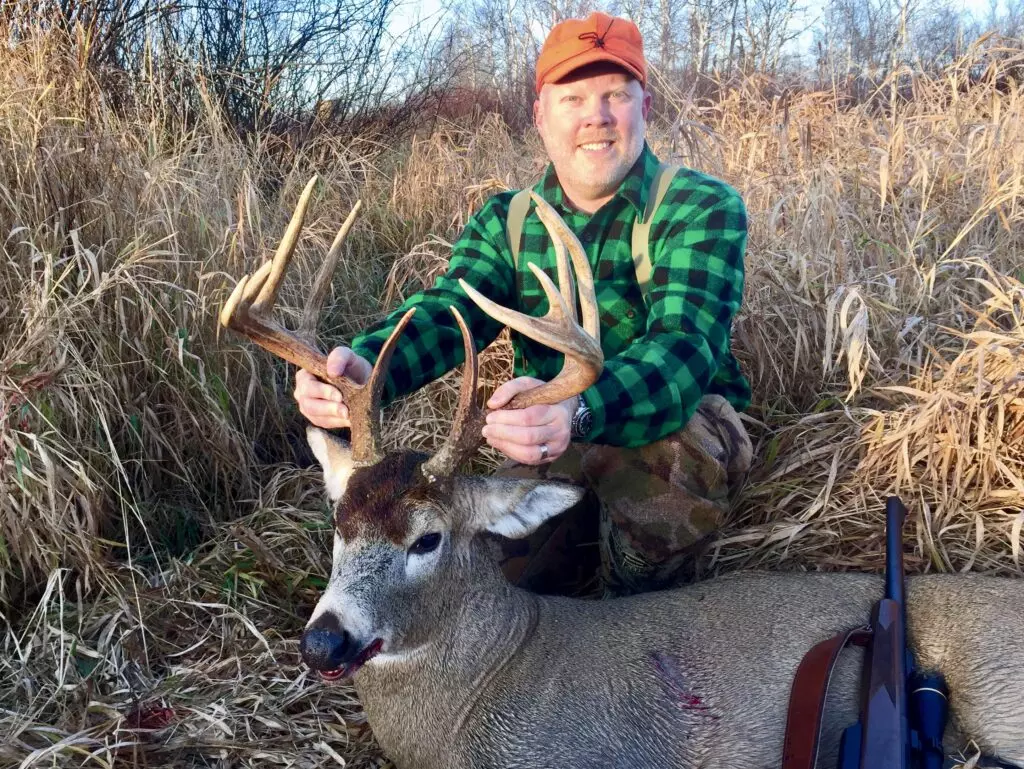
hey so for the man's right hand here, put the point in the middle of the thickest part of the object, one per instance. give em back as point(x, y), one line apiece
point(321, 403)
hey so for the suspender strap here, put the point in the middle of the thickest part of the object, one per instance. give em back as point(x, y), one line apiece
point(642, 227)
point(517, 211)
point(807, 698)
point(519, 207)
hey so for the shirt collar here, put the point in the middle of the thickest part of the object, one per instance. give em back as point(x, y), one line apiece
point(634, 188)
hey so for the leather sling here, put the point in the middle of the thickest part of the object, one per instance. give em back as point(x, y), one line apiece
point(807, 698)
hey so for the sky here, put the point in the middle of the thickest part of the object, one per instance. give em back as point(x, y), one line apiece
point(409, 12)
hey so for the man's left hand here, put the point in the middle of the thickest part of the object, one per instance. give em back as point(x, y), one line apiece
point(533, 435)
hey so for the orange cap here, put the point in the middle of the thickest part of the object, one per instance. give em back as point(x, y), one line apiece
point(574, 43)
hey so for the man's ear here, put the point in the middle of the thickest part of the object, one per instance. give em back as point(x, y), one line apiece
point(335, 457)
point(515, 508)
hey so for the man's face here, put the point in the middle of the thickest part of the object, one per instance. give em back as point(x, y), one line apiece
point(592, 124)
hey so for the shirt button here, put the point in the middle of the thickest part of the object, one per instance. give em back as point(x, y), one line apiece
point(630, 313)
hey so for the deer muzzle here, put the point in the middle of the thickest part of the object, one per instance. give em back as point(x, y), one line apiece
point(335, 653)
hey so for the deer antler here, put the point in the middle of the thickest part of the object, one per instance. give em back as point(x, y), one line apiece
point(558, 329)
point(247, 311)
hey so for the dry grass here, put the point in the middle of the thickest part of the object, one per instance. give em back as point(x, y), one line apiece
point(161, 544)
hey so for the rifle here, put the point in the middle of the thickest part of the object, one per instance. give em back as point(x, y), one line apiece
point(903, 710)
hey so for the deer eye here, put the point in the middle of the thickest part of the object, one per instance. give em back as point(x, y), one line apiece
point(425, 544)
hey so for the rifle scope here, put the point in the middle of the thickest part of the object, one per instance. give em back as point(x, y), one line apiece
point(929, 707)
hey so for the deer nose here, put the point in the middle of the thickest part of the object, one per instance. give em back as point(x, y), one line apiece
point(324, 649)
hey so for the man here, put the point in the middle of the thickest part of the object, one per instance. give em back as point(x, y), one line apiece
point(657, 438)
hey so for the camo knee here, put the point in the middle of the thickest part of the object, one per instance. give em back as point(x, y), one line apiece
point(661, 503)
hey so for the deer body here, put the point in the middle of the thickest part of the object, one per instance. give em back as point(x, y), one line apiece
point(459, 670)
point(695, 677)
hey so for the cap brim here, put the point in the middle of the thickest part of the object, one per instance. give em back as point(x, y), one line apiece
point(561, 71)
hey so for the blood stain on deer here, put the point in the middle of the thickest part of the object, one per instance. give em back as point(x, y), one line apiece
point(671, 677)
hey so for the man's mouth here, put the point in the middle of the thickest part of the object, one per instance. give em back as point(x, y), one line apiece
point(348, 670)
point(596, 146)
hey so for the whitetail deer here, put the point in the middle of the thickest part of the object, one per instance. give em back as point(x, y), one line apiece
point(456, 668)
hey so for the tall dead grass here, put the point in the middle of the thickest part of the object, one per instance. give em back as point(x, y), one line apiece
point(160, 549)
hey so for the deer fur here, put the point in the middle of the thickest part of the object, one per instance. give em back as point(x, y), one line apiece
point(474, 673)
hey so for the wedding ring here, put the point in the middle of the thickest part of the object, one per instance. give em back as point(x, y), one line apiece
point(543, 451)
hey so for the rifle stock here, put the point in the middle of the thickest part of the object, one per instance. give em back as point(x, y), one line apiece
point(884, 737)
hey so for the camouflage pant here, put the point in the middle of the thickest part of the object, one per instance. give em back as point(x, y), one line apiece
point(648, 511)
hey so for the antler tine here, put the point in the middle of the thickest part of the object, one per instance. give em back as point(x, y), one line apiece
point(465, 436)
point(558, 329)
point(560, 231)
point(247, 312)
point(307, 327)
point(566, 284)
point(268, 293)
point(364, 401)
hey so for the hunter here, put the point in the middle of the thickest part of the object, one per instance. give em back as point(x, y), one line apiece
point(657, 440)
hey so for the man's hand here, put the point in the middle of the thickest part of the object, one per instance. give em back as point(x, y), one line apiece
point(319, 402)
point(521, 434)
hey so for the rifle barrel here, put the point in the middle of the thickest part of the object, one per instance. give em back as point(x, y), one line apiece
point(895, 513)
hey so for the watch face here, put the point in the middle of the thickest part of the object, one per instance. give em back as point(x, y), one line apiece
point(582, 421)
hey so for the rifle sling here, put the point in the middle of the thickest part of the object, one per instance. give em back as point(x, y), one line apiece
point(807, 698)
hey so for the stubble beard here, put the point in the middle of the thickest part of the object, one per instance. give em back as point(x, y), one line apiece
point(610, 178)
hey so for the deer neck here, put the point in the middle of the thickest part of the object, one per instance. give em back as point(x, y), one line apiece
point(489, 623)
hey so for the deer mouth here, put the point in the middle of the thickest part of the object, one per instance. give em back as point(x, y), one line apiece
point(349, 669)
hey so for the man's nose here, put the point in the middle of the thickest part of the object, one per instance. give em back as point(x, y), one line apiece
point(598, 113)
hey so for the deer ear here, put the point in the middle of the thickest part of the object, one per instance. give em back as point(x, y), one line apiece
point(515, 508)
point(335, 457)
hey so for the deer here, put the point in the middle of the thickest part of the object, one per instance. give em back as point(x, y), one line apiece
point(457, 668)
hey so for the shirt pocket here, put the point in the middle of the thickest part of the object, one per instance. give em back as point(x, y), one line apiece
point(622, 314)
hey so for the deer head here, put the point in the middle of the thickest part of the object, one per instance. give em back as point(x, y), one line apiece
point(406, 523)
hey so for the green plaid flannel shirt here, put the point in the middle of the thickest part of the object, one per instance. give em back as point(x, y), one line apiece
point(659, 359)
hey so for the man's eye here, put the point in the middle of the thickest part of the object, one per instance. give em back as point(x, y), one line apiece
point(425, 544)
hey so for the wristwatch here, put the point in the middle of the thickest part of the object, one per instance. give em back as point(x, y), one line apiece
point(582, 421)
